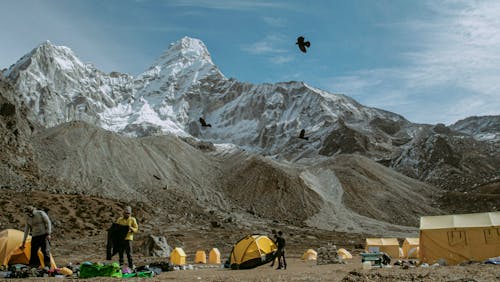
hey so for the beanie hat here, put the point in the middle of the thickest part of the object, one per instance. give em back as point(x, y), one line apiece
point(128, 209)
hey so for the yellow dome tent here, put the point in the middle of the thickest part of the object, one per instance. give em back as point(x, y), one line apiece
point(344, 254)
point(408, 244)
point(214, 256)
point(252, 251)
point(310, 254)
point(200, 257)
point(10, 253)
point(178, 256)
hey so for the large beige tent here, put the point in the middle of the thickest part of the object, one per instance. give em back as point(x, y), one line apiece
point(410, 247)
point(460, 237)
point(389, 246)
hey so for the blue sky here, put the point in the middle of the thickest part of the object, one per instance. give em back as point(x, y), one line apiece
point(430, 61)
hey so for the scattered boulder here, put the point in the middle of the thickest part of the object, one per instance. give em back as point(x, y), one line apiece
point(156, 246)
point(7, 109)
point(215, 224)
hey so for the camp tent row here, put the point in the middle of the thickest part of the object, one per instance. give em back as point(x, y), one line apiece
point(249, 252)
point(453, 238)
point(178, 256)
point(311, 254)
point(391, 247)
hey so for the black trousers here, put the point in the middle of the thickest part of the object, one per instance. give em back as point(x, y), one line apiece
point(127, 248)
point(281, 255)
point(40, 242)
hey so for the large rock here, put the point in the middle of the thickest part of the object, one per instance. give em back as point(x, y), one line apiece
point(156, 246)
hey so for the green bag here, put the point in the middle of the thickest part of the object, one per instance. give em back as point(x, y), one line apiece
point(140, 274)
point(88, 270)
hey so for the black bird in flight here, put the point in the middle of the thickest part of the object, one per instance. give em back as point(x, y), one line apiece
point(303, 44)
point(301, 135)
point(204, 124)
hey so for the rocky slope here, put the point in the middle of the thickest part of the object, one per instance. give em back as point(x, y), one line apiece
point(167, 172)
point(17, 166)
point(485, 128)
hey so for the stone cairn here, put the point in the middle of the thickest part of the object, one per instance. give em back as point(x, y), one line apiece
point(328, 255)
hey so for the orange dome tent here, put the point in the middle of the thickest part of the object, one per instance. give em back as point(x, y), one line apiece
point(10, 253)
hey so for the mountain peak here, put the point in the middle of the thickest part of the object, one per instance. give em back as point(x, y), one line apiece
point(48, 49)
point(185, 50)
point(46, 54)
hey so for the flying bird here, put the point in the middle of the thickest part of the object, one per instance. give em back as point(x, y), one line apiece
point(301, 135)
point(204, 124)
point(303, 44)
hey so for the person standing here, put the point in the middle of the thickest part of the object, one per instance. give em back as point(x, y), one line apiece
point(280, 242)
point(131, 222)
point(38, 223)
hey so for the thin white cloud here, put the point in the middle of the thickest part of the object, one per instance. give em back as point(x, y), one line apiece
point(273, 47)
point(281, 59)
point(240, 5)
point(271, 44)
point(275, 22)
point(453, 74)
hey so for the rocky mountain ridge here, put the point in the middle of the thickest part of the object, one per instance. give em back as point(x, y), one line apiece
point(120, 137)
point(184, 85)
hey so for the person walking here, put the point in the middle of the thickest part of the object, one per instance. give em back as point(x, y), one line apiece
point(38, 223)
point(131, 222)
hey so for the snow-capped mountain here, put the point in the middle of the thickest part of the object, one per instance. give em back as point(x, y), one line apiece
point(160, 104)
point(58, 87)
point(184, 85)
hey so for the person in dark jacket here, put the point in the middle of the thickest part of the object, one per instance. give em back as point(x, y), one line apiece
point(116, 238)
point(38, 223)
point(280, 254)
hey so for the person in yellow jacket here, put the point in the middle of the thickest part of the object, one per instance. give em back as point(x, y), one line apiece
point(131, 222)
